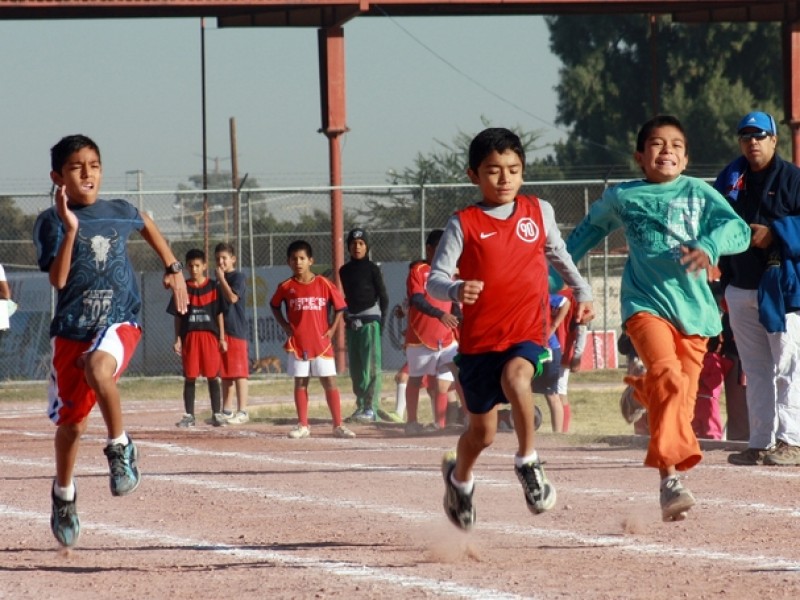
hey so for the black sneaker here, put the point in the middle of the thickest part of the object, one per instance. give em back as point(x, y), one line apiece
point(457, 505)
point(749, 457)
point(539, 493)
point(124, 474)
point(64, 522)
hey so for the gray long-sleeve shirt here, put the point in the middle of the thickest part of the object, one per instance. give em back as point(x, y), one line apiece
point(441, 284)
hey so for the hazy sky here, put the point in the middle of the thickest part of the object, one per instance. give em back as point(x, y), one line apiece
point(135, 87)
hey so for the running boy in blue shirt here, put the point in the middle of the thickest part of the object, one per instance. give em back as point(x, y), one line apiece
point(81, 242)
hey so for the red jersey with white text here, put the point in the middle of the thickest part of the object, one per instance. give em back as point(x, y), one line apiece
point(426, 330)
point(508, 256)
point(307, 310)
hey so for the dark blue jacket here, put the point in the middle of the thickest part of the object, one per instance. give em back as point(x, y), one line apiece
point(779, 286)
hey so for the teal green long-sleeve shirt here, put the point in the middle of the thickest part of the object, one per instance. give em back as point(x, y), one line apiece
point(658, 219)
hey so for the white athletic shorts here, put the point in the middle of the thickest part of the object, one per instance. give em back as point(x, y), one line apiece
point(322, 366)
point(424, 361)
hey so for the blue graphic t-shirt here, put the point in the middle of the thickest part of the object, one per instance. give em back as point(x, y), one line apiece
point(101, 289)
point(235, 317)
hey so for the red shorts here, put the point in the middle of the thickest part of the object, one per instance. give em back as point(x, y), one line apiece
point(235, 362)
point(70, 399)
point(201, 355)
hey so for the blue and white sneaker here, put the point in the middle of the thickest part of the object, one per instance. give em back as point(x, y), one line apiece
point(64, 522)
point(355, 416)
point(366, 416)
point(124, 474)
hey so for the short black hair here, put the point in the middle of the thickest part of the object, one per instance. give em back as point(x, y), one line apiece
point(655, 122)
point(195, 254)
point(67, 146)
point(433, 237)
point(297, 246)
point(494, 139)
point(225, 247)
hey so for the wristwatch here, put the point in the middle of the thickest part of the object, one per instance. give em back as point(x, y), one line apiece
point(174, 268)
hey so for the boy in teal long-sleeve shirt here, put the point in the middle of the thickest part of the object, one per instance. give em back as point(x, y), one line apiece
point(675, 226)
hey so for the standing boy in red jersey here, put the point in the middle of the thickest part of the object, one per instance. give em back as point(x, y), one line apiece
point(310, 299)
point(431, 342)
point(200, 338)
point(501, 247)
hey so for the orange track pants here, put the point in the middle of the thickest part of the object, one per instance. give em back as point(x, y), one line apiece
point(668, 389)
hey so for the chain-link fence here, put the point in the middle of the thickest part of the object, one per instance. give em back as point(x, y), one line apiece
point(261, 223)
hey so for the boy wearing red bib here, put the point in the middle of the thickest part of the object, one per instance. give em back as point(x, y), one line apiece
point(501, 247)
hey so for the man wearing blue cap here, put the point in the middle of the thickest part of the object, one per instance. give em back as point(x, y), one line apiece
point(762, 291)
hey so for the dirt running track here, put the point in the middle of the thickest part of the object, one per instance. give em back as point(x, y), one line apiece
point(243, 512)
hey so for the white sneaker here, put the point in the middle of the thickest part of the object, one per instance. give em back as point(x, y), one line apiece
point(299, 432)
point(239, 418)
point(343, 432)
point(218, 420)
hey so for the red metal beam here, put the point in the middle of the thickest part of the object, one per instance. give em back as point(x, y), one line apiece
point(326, 13)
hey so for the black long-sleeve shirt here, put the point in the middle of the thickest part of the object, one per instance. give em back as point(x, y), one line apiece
point(364, 289)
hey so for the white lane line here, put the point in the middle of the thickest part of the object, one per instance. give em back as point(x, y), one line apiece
point(651, 549)
point(350, 570)
point(617, 542)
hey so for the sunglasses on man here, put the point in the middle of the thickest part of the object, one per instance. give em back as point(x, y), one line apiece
point(756, 135)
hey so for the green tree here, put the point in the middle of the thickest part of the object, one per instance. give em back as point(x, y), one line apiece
point(708, 75)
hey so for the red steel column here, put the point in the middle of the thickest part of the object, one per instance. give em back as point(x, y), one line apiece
point(332, 96)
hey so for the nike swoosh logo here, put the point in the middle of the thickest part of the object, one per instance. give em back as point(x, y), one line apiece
point(487, 235)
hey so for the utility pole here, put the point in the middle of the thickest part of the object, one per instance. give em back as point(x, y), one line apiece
point(237, 224)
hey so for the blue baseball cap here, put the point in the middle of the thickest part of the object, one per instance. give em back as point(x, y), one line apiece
point(758, 120)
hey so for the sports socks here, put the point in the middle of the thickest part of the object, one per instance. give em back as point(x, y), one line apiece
point(215, 391)
point(519, 461)
point(123, 439)
point(400, 399)
point(441, 409)
point(188, 396)
point(567, 415)
point(301, 404)
point(333, 399)
point(463, 486)
point(65, 493)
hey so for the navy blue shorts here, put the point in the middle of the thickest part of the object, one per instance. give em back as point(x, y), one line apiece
point(547, 382)
point(480, 374)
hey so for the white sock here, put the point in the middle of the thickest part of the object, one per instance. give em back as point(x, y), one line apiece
point(65, 493)
point(123, 439)
point(400, 399)
point(524, 460)
point(464, 486)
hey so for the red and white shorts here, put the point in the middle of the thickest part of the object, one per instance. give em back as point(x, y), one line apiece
point(70, 398)
point(321, 366)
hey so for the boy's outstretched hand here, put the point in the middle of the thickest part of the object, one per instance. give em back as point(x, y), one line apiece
point(64, 213)
point(694, 259)
point(177, 283)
